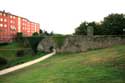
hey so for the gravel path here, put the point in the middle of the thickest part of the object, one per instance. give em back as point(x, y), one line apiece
point(20, 66)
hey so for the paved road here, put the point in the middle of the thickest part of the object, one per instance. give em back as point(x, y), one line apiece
point(17, 67)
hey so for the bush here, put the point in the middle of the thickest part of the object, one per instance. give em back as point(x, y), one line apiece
point(35, 34)
point(20, 53)
point(24, 52)
point(59, 40)
point(3, 61)
point(34, 41)
point(19, 37)
point(3, 44)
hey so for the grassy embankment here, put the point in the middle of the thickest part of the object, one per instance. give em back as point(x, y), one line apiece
point(9, 52)
point(96, 66)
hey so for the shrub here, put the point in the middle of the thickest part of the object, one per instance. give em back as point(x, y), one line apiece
point(3, 61)
point(3, 44)
point(59, 40)
point(35, 34)
point(20, 53)
point(34, 41)
point(19, 37)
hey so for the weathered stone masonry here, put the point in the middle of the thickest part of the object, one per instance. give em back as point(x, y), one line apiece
point(80, 43)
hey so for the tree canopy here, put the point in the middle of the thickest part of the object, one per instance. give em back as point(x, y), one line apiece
point(113, 24)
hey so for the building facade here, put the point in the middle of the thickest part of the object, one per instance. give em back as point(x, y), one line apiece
point(11, 24)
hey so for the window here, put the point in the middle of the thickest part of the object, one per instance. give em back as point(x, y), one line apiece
point(23, 20)
point(10, 16)
point(4, 14)
point(1, 25)
point(5, 20)
point(11, 21)
point(13, 28)
point(23, 23)
point(1, 19)
point(5, 25)
point(13, 17)
point(14, 22)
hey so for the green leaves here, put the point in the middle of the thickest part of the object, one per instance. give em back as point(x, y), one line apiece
point(113, 24)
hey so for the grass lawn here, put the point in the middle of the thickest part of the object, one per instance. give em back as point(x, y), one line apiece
point(97, 66)
point(9, 53)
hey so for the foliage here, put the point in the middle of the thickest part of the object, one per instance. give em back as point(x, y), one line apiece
point(20, 53)
point(98, 66)
point(82, 29)
point(10, 51)
point(19, 37)
point(33, 42)
point(51, 33)
point(96, 27)
point(3, 44)
point(59, 40)
point(35, 34)
point(113, 24)
point(3, 61)
point(45, 33)
point(40, 31)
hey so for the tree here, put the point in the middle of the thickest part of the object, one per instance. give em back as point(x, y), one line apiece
point(113, 24)
point(97, 27)
point(46, 33)
point(35, 34)
point(51, 33)
point(40, 31)
point(82, 29)
point(19, 36)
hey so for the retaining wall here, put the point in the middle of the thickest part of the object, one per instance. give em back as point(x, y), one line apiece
point(80, 43)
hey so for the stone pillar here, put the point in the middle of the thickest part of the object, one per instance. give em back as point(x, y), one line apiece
point(90, 31)
point(123, 31)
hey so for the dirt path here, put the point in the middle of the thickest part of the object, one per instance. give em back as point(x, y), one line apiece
point(20, 66)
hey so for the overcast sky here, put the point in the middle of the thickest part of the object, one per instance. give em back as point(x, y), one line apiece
point(62, 16)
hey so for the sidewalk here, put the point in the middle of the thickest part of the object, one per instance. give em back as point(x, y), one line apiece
point(20, 66)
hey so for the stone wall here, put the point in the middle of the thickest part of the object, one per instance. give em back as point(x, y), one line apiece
point(80, 43)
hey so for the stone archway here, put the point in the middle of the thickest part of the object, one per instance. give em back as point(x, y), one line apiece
point(46, 45)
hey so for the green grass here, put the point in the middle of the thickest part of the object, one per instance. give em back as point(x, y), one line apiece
point(9, 53)
point(96, 66)
point(59, 40)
